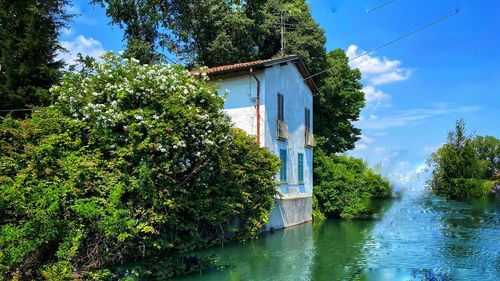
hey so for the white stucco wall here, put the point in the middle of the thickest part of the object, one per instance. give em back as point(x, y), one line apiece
point(295, 204)
point(287, 80)
point(240, 104)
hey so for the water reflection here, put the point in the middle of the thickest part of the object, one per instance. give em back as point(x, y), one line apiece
point(340, 249)
point(282, 255)
point(420, 237)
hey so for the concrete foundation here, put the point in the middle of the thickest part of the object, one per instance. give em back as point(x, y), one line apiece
point(290, 211)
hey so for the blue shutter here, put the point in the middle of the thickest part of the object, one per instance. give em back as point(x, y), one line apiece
point(283, 165)
point(301, 167)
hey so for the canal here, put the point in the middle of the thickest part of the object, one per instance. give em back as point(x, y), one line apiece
point(415, 236)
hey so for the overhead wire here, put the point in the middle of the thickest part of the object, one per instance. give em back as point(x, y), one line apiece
point(380, 6)
point(391, 42)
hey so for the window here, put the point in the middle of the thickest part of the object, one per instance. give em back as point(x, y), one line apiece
point(307, 120)
point(300, 167)
point(281, 112)
point(283, 165)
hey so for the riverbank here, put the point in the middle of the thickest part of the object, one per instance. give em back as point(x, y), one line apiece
point(419, 233)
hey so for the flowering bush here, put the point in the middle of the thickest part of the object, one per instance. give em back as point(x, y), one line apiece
point(131, 161)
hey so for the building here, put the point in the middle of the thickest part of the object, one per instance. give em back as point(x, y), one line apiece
point(272, 100)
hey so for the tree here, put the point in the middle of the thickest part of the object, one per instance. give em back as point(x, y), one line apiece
point(458, 172)
point(338, 104)
point(141, 21)
point(213, 32)
point(29, 31)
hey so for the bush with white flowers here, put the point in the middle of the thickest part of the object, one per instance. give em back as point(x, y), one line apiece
point(131, 161)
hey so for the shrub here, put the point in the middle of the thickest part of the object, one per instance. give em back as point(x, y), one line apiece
point(469, 188)
point(132, 161)
point(344, 187)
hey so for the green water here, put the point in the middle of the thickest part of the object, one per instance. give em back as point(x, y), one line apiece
point(418, 232)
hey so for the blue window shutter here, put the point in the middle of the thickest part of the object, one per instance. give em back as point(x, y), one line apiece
point(301, 167)
point(283, 167)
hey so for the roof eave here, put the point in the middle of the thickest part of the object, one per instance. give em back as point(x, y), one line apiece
point(299, 63)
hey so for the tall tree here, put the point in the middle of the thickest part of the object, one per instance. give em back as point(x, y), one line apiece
point(215, 32)
point(211, 32)
point(302, 35)
point(29, 31)
point(141, 21)
point(338, 104)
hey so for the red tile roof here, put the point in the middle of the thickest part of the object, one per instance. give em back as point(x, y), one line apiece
point(244, 65)
point(224, 69)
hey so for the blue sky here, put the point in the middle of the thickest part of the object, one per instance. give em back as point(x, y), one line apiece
point(416, 88)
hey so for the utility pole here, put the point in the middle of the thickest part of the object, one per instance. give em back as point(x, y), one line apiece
point(282, 26)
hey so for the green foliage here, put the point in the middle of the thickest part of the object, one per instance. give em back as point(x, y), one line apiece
point(317, 215)
point(28, 66)
point(212, 32)
point(458, 171)
point(338, 104)
point(488, 149)
point(160, 268)
point(344, 187)
point(141, 21)
point(132, 161)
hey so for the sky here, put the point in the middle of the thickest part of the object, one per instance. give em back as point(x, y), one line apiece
point(416, 88)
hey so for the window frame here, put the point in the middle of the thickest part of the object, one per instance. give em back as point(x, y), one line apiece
point(281, 107)
point(300, 167)
point(283, 168)
point(307, 119)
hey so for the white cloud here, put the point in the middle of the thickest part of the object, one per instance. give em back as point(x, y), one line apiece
point(390, 77)
point(376, 97)
point(410, 117)
point(361, 146)
point(380, 150)
point(363, 142)
point(81, 44)
point(366, 139)
point(408, 176)
point(422, 168)
point(377, 70)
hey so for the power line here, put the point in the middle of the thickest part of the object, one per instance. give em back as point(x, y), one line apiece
point(391, 42)
point(380, 6)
